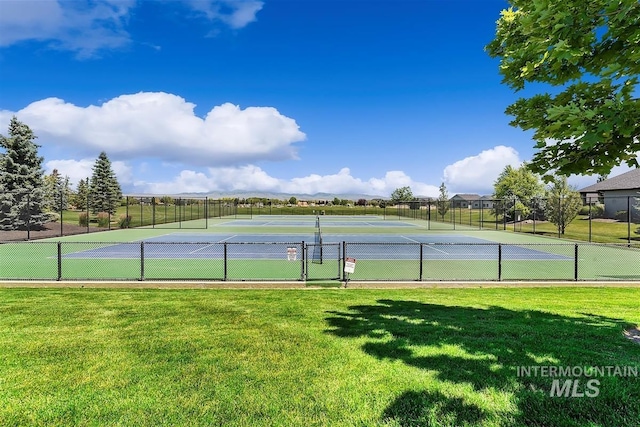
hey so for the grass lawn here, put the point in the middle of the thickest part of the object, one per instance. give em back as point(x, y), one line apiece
point(331, 357)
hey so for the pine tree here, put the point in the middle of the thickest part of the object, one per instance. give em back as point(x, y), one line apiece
point(80, 197)
point(56, 192)
point(105, 190)
point(21, 193)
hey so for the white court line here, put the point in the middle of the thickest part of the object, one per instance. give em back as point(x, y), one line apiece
point(428, 245)
point(201, 249)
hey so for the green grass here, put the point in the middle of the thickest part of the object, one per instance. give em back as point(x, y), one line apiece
point(440, 357)
point(579, 229)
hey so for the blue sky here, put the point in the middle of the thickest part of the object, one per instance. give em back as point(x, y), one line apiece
point(293, 96)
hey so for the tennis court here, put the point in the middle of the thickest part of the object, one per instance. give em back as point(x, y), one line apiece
point(314, 248)
point(274, 246)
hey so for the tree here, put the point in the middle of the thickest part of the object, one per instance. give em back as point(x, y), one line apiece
point(56, 192)
point(105, 189)
point(587, 51)
point(563, 203)
point(442, 203)
point(79, 199)
point(402, 194)
point(515, 190)
point(21, 194)
point(293, 200)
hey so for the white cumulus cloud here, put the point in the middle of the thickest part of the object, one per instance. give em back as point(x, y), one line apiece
point(253, 178)
point(88, 27)
point(235, 13)
point(476, 174)
point(77, 26)
point(83, 169)
point(164, 127)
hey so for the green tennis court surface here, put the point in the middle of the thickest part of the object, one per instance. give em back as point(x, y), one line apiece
point(292, 248)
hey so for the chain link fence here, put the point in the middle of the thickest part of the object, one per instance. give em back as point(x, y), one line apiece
point(23, 217)
point(610, 219)
point(293, 261)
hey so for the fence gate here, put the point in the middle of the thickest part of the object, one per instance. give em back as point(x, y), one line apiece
point(322, 261)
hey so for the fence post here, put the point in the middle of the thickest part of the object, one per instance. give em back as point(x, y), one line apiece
point(499, 262)
point(344, 257)
point(59, 261)
point(142, 261)
point(629, 220)
point(303, 270)
point(88, 195)
point(575, 268)
point(589, 219)
point(224, 244)
point(61, 203)
point(28, 217)
point(421, 259)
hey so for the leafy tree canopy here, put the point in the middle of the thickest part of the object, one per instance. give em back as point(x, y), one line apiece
point(402, 194)
point(588, 51)
point(517, 187)
point(563, 203)
point(443, 202)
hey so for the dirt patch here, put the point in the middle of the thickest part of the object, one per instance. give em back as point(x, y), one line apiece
point(633, 334)
point(51, 229)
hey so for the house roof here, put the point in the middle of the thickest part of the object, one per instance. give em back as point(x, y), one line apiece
point(467, 196)
point(626, 181)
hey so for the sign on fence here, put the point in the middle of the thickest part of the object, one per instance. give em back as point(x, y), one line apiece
point(349, 265)
point(292, 254)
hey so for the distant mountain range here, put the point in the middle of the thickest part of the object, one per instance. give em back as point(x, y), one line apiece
point(268, 195)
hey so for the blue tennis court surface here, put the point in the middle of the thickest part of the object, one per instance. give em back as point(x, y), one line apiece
point(274, 246)
point(333, 222)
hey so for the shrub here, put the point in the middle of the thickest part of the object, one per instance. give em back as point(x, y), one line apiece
point(124, 221)
point(103, 219)
point(83, 219)
point(597, 211)
point(621, 216)
point(51, 217)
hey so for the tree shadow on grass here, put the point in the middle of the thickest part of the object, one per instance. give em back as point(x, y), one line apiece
point(482, 350)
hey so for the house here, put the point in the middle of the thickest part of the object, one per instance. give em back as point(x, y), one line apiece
point(619, 193)
point(474, 200)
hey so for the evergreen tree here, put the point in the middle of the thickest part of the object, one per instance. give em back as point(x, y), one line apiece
point(21, 193)
point(79, 199)
point(56, 192)
point(106, 194)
